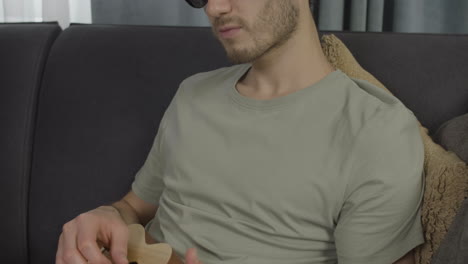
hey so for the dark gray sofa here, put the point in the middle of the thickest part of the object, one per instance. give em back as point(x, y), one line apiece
point(79, 109)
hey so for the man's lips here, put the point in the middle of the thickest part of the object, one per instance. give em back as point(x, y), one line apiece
point(228, 31)
point(226, 28)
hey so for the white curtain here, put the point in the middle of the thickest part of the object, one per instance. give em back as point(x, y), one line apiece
point(63, 11)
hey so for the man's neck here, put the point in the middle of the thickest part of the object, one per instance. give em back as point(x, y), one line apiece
point(295, 65)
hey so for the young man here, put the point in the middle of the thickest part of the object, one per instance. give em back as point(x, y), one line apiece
point(278, 159)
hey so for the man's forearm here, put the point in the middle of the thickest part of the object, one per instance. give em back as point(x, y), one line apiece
point(130, 217)
point(127, 212)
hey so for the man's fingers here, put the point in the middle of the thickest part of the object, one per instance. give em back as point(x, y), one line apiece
point(191, 256)
point(83, 237)
point(70, 254)
point(118, 247)
point(59, 254)
point(88, 247)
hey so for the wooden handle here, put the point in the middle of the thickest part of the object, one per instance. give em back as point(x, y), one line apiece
point(143, 249)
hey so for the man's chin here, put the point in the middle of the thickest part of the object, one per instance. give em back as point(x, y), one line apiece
point(239, 58)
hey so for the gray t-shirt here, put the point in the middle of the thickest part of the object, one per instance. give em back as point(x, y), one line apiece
point(330, 173)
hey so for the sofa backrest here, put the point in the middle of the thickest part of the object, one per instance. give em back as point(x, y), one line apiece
point(427, 72)
point(23, 51)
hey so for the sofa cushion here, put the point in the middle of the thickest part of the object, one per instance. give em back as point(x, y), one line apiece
point(453, 136)
point(24, 48)
point(446, 175)
point(454, 247)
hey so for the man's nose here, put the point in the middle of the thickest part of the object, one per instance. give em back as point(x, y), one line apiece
point(217, 8)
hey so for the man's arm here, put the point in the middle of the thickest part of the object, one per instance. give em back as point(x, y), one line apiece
point(134, 210)
point(380, 220)
point(406, 259)
point(106, 226)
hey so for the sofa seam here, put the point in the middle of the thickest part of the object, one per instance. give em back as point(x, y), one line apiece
point(31, 125)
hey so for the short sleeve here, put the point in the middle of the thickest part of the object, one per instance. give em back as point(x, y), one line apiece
point(148, 183)
point(380, 218)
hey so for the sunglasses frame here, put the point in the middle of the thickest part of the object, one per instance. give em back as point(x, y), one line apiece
point(197, 3)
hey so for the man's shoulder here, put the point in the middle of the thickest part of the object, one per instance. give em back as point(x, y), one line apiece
point(386, 145)
point(378, 94)
point(367, 103)
point(382, 123)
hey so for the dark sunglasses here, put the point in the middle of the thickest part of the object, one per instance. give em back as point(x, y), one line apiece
point(197, 3)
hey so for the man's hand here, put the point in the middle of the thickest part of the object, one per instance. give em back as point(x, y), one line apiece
point(191, 257)
point(106, 226)
point(83, 236)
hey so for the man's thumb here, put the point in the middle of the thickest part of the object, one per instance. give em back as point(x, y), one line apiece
point(119, 247)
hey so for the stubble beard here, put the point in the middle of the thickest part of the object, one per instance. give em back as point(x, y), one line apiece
point(275, 25)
